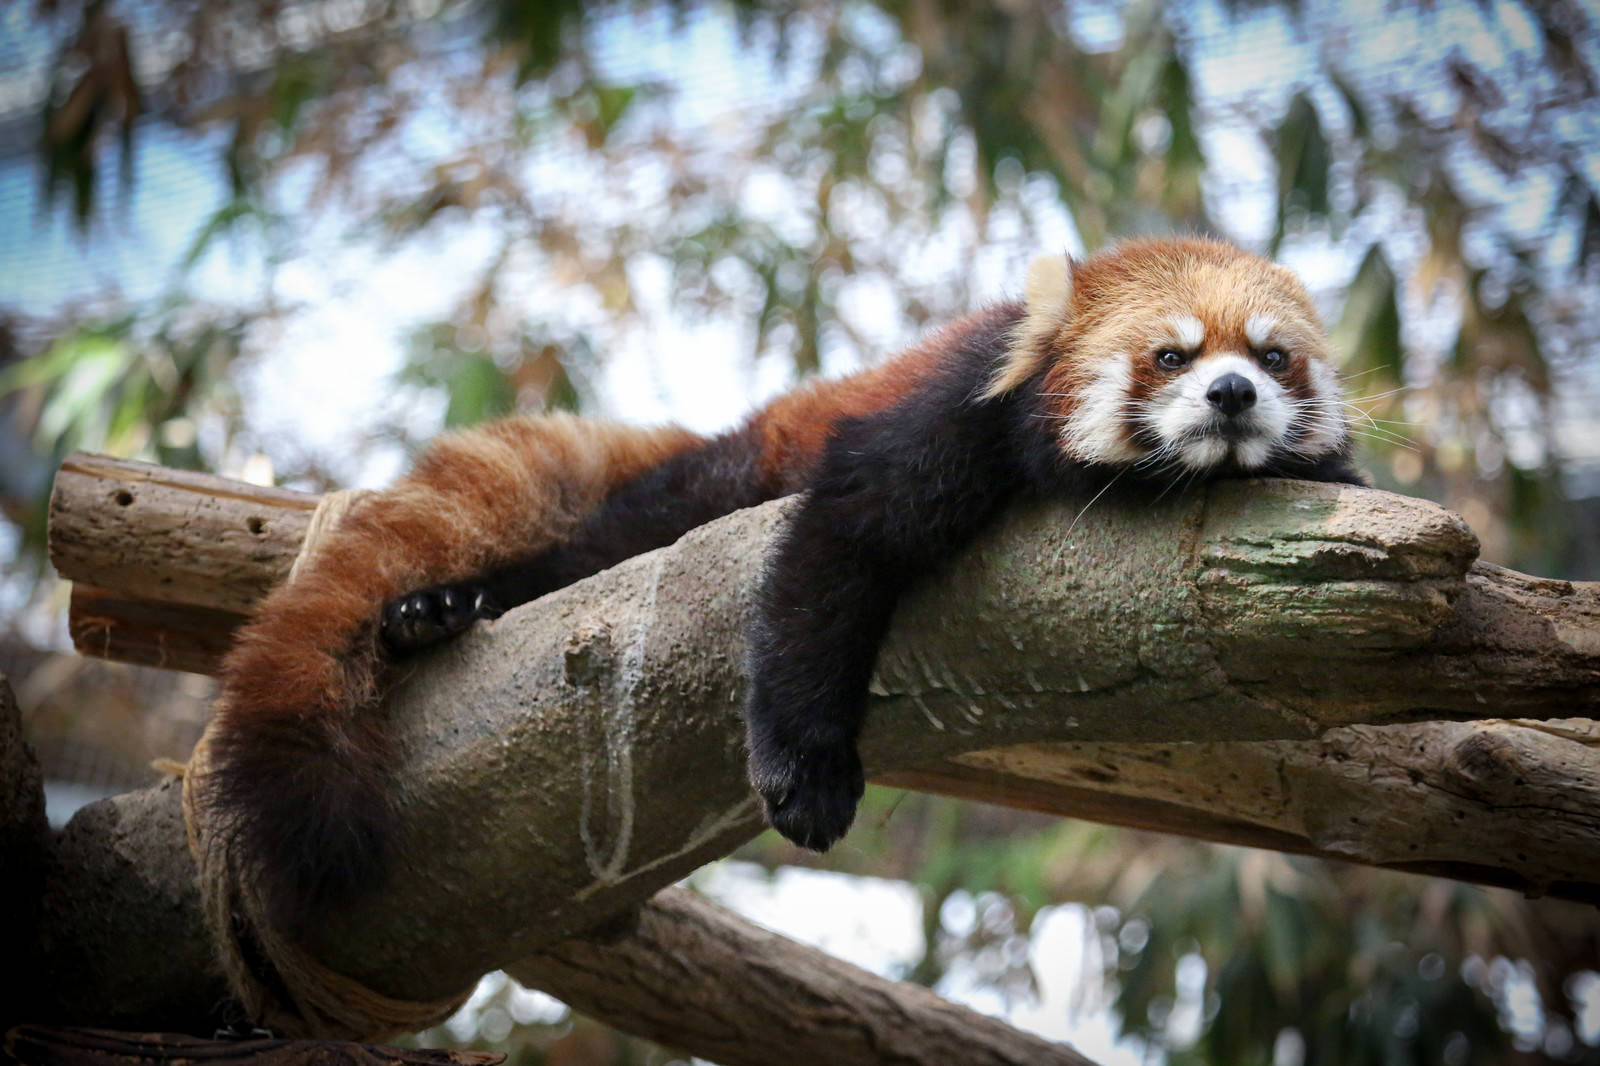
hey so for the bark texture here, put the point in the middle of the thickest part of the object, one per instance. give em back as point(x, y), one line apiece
point(1513, 803)
point(127, 948)
point(121, 936)
point(808, 1007)
point(173, 535)
point(566, 762)
point(24, 839)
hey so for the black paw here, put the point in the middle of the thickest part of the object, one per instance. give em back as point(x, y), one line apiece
point(811, 793)
point(427, 616)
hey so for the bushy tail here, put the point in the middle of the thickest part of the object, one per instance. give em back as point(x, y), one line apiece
point(298, 759)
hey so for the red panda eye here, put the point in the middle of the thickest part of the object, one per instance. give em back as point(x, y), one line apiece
point(1171, 358)
point(1274, 359)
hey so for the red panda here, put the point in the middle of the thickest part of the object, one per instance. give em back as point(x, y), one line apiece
point(1153, 362)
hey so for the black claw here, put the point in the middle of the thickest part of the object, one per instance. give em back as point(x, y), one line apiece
point(811, 795)
point(484, 607)
point(428, 616)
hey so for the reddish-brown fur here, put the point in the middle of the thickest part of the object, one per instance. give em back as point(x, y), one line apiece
point(1142, 279)
point(295, 789)
point(475, 500)
point(795, 426)
point(511, 488)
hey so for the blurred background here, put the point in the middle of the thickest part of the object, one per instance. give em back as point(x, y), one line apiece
point(291, 240)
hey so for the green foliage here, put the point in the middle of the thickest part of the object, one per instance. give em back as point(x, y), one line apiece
point(478, 385)
point(1304, 158)
point(231, 219)
point(104, 387)
point(102, 91)
point(476, 389)
point(540, 31)
point(1363, 968)
point(1367, 334)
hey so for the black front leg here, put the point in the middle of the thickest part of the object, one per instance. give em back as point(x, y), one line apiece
point(825, 606)
point(897, 494)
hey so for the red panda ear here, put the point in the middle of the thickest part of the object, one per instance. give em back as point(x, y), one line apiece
point(1050, 287)
point(1046, 313)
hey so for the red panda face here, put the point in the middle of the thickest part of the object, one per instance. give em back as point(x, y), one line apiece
point(1181, 356)
point(1228, 392)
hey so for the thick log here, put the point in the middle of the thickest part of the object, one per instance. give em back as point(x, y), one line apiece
point(24, 844)
point(1450, 799)
point(127, 948)
point(795, 1004)
point(572, 758)
point(132, 629)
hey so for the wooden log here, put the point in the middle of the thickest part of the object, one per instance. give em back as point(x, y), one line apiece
point(131, 629)
point(671, 974)
point(1495, 642)
point(173, 536)
point(24, 849)
point(684, 971)
point(1449, 799)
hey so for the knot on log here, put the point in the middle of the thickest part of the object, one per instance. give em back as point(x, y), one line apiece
point(589, 654)
point(1485, 766)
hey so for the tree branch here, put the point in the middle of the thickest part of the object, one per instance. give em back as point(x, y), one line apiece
point(1510, 803)
point(569, 760)
point(808, 1006)
point(123, 944)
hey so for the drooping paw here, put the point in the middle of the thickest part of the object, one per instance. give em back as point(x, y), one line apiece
point(428, 616)
point(811, 793)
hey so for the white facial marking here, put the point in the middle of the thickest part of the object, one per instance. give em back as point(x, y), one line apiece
point(1258, 329)
point(1188, 331)
point(1192, 428)
point(1323, 418)
point(1253, 452)
point(1203, 454)
point(1095, 431)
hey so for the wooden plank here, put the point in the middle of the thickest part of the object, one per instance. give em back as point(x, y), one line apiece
point(127, 629)
point(173, 536)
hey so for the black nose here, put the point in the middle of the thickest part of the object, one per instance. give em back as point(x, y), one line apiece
point(1231, 393)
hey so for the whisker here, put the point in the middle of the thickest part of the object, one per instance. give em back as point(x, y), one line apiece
point(1368, 435)
point(1092, 500)
point(1181, 482)
point(1374, 423)
point(1377, 395)
point(1395, 421)
point(1374, 427)
point(1361, 374)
